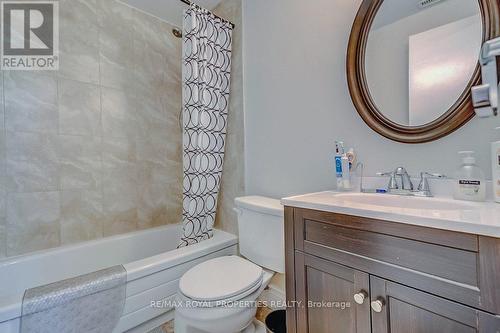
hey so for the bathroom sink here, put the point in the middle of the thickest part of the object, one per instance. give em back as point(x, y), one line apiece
point(394, 201)
point(443, 213)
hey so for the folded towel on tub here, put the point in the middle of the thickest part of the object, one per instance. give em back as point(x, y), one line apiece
point(91, 303)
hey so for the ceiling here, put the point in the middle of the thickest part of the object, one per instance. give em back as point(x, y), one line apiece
point(168, 10)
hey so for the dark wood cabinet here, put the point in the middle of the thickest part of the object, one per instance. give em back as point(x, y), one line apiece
point(406, 310)
point(406, 279)
point(327, 292)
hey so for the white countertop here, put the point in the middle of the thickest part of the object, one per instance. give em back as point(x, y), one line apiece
point(468, 217)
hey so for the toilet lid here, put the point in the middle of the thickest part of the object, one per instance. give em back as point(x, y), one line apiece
point(220, 279)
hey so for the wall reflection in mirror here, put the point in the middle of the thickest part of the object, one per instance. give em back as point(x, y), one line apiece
point(419, 60)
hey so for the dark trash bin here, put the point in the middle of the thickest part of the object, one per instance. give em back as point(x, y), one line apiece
point(276, 322)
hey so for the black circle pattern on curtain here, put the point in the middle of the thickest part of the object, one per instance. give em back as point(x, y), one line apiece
point(206, 84)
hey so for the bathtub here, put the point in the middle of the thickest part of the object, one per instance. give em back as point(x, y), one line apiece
point(153, 264)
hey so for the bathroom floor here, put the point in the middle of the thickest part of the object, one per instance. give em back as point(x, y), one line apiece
point(165, 328)
point(169, 327)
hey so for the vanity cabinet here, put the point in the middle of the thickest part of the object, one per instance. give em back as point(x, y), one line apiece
point(328, 289)
point(353, 274)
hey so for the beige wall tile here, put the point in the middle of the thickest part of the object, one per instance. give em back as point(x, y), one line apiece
point(2, 106)
point(32, 162)
point(94, 149)
point(79, 40)
point(152, 207)
point(3, 204)
point(174, 203)
point(79, 108)
point(115, 17)
point(115, 44)
point(120, 200)
point(120, 183)
point(148, 72)
point(81, 216)
point(118, 114)
point(2, 173)
point(80, 163)
point(3, 238)
point(116, 61)
point(118, 152)
point(32, 222)
point(30, 102)
point(157, 33)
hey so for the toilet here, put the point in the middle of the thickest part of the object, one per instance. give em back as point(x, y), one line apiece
point(219, 295)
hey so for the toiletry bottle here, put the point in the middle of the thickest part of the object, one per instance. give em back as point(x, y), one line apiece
point(339, 150)
point(470, 183)
point(495, 159)
point(351, 155)
point(346, 173)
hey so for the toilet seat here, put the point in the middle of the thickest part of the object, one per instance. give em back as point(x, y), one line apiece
point(224, 279)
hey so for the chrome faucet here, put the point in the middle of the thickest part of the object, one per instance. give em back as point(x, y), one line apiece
point(400, 183)
point(404, 184)
point(424, 188)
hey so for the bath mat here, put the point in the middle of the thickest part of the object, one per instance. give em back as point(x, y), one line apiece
point(91, 303)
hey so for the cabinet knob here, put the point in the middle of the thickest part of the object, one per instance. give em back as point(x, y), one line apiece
point(377, 305)
point(360, 297)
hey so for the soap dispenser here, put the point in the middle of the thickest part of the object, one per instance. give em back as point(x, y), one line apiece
point(470, 182)
point(495, 166)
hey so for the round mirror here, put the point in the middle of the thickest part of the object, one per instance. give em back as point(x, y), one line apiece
point(419, 60)
point(411, 64)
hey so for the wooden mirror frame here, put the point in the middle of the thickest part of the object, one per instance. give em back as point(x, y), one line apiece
point(458, 115)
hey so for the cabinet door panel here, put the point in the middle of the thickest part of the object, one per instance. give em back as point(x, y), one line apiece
point(408, 318)
point(326, 292)
point(406, 310)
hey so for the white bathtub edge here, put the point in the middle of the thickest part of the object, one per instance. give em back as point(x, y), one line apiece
point(143, 267)
point(11, 307)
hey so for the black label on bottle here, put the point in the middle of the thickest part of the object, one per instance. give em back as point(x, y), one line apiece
point(469, 182)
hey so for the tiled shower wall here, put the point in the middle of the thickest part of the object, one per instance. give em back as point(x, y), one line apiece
point(93, 149)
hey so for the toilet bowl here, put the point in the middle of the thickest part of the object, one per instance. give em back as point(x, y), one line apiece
point(220, 295)
point(231, 302)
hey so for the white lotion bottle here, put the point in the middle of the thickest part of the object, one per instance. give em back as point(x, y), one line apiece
point(495, 167)
point(346, 173)
point(470, 182)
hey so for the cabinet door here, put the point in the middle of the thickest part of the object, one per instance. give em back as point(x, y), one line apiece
point(326, 294)
point(400, 309)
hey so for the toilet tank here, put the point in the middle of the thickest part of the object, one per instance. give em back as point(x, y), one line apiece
point(261, 231)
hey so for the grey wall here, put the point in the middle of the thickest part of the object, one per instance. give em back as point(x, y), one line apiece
point(93, 149)
point(297, 103)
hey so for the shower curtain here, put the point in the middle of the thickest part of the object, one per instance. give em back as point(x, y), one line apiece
point(206, 83)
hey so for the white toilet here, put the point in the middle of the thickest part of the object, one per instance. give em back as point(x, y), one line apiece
point(219, 295)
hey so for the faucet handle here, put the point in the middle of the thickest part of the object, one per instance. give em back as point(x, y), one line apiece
point(432, 175)
point(424, 183)
point(393, 184)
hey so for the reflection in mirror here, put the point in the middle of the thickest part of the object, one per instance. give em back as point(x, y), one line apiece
point(418, 60)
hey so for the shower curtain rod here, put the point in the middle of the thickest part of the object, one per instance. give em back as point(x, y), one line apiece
point(189, 3)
